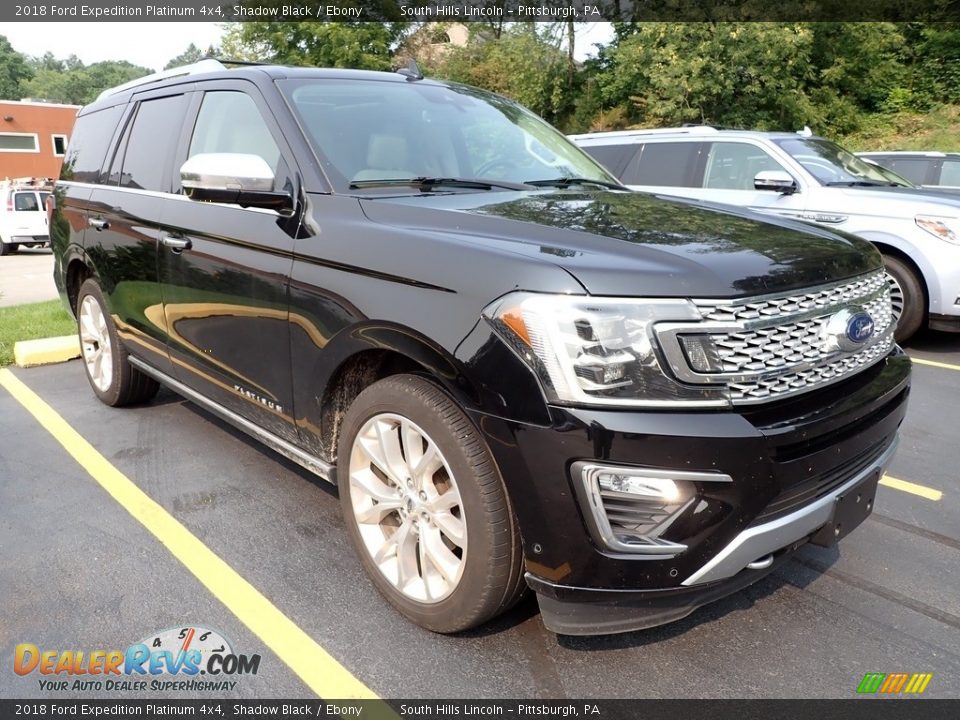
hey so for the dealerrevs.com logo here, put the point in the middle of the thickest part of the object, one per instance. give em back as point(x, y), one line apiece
point(179, 659)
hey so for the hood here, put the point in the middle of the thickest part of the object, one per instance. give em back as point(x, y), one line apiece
point(637, 244)
point(950, 198)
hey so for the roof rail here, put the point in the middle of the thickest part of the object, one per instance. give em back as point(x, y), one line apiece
point(201, 66)
point(685, 130)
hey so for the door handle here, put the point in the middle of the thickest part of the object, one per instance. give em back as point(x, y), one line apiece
point(98, 224)
point(177, 244)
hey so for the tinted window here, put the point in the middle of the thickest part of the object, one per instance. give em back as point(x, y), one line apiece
point(613, 157)
point(151, 143)
point(950, 174)
point(89, 143)
point(229, 122)
point(670, 163)
point(25, 201)
point(732, 166)
point(913, 169)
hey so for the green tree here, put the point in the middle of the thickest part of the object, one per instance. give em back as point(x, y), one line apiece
point(191, 55)
point(74, 83)
point(362, 45)
point(14, 71)
point(741, 74)
point(521, 64)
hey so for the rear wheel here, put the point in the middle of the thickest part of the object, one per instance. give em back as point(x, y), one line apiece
point(8, 248)
point(907, 297)
point(114, 380)
point(425, 507)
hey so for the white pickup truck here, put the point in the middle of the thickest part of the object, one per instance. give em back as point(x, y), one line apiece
point(23, 213)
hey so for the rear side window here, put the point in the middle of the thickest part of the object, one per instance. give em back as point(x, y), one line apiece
point(913, 169)
point(950, 174)
point(25, 202)
point(671, 164)
point(150, 146)
point(613, 157)
point(89, 143)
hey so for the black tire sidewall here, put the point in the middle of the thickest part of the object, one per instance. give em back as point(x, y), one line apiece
point(461, 609)
point(914, 300)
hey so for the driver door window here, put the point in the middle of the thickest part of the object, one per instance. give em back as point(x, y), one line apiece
point(229, 122)
point(733, 166)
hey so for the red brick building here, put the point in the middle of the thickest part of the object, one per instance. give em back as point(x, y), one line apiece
point(33, 137)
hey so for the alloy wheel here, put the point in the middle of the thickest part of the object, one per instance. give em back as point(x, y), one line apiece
point(408, 508)
point(896, 297)
point(95, 343)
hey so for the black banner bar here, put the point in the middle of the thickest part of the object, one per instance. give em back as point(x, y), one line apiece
point(480, 10)
point(863, 708)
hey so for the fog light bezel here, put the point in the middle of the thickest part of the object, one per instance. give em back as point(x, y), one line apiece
point(585, 475)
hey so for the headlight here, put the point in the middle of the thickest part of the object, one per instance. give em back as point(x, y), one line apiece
point(598, 351)
point(943, 228)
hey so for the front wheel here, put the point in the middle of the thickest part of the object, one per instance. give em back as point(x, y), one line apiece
point(114, 380)
point(8, 248)
point(907, 297)
point(425, 507)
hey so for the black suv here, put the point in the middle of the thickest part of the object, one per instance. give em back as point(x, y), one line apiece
point(519, 374)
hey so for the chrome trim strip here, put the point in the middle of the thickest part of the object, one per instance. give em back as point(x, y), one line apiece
point(314, 464)
point(756, 542)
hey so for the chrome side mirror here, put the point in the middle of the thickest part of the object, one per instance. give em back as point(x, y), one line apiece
point(236, 178)
point(775, 180)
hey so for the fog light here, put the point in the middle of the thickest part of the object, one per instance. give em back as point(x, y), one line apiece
point(630, 508)
point(650, 487)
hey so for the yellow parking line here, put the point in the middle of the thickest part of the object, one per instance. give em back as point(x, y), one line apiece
point(921, 490)
point(934, 363)
point(317, 668)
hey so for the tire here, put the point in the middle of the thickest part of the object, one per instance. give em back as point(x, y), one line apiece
point(113, 379)
point(8, 248)
point(908, 297)
point(483, 566)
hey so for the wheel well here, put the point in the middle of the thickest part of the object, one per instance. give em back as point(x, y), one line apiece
point(350, 379)
point(77, 272)
point(908, 261)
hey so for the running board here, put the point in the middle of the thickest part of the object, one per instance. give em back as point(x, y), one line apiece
point(314, 464)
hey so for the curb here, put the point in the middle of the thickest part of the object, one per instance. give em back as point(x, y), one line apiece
point(30, 353)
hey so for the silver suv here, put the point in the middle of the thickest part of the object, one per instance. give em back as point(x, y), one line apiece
point(801, 176)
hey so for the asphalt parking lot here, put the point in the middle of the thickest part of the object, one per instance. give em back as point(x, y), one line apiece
point(90, 564)
point(27, 277)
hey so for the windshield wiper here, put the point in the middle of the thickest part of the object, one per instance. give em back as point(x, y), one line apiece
point(862, 183)
point(562, 182)
point(426, 184)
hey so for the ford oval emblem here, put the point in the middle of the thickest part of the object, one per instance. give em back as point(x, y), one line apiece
point(860, 328)
point(848, 330)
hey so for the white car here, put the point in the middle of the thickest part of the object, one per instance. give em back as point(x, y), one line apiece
point(23, 213)
point(809, 178)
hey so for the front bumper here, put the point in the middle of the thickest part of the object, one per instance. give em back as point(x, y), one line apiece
point(751, 555)
point(789, 462)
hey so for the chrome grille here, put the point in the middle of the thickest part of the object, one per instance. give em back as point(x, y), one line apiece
point(781, 346)
point(758, 390)
point(833, 296)
point(771, 347)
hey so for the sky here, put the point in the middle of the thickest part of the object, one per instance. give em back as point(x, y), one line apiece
point(154, 44)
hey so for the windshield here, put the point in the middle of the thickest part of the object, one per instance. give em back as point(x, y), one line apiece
point(832, 165)
point(367, 131)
